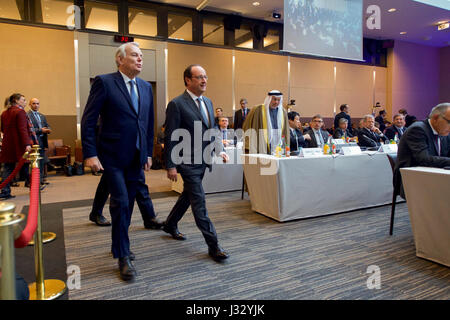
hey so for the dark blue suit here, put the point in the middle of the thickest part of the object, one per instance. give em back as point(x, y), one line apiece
point(183, 113)
point(125, 141)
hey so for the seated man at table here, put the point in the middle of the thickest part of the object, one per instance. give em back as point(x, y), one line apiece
point(398, 128)
point(426, 143)
point(318, 136)
point(369, 135)
point(227, 135)
point(342, 130)
point(298, 140)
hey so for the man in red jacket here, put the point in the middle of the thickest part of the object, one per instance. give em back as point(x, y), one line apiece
point(16, 138)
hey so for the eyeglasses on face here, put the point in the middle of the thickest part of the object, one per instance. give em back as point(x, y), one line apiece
point(200, 77)
point(448, 121)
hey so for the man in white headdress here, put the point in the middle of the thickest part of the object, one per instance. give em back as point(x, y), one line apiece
point(270, 122)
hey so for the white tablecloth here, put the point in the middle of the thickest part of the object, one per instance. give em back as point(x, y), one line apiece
point(427, 193)
point(223, 177)
point(310, 187)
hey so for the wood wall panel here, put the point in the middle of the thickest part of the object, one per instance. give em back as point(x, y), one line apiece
point(218, 66)
point(39, 62)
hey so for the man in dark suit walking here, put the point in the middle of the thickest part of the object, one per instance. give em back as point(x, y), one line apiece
point(193, 113)
point(426, 143)
point(125, 142)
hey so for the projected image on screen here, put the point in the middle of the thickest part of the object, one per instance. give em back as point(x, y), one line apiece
point(330, 28)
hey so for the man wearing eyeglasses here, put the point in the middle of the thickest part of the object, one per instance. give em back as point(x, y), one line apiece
point(192, 113)
point(426, 143)
point(318, 136)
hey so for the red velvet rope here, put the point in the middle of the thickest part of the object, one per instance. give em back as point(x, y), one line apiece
point(30, 228)
point(13, 174)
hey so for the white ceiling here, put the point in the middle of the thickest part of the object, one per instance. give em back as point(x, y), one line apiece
point(417, 19)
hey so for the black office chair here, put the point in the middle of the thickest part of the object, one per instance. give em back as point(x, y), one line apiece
point(397, 183)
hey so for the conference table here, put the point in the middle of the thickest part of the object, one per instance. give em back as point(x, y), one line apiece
point(427, 191)
point(292, 188)
point(223, 177)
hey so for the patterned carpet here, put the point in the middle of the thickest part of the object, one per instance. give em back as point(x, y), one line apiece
point(319, 258)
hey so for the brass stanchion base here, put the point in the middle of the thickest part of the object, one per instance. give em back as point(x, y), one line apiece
point(53, 289)
point(46, 237)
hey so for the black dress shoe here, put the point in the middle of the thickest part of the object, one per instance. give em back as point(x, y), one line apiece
point(177, 235)
point(99, 220)
point(127, 270)
point(217, 253)
point(6, 196)
point(153, 223)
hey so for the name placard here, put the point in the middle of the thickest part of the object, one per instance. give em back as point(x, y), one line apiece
point(350, 150)
point(310, 152)
point(389, 148)
point(339, 141)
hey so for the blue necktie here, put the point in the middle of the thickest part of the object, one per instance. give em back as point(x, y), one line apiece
point(135, 102)
point(202, 111)
point(134, 98)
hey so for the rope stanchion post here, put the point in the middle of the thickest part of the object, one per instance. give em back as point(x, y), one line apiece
point(8, 219)
point(41, 289)
point(46, 236)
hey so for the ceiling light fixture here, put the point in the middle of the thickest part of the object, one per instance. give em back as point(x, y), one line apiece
point(443, 26)
point(403, 32)
point(392, 10)
point(256, 3)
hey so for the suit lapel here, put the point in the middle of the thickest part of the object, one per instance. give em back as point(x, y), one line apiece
point(141, 94)
point(194, 107)
point(210, 112)
point(121, 84)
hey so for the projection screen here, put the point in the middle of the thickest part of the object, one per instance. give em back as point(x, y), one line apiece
point(328, 28)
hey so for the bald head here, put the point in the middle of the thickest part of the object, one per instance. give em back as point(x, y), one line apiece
point(34, 104)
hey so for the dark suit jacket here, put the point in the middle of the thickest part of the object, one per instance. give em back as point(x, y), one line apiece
point(239, 119)
point(391, 131)
point(296, 140)
point(42, 137)
point(338, 133)
point(380, 120)
point(183, 113)
point(418, 148)
point(340, 115)
point(16, 134)
point(120, 125)
point(367, 138)
point(313, 143)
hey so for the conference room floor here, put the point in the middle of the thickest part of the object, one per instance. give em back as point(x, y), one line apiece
point(330, 257)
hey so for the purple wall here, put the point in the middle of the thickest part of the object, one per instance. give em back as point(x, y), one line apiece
point(415, 78)
point(444, 79)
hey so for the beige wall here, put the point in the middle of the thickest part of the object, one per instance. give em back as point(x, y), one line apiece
point(217, 63)
point(39, 62)
point(257, 74)
point(312, 87)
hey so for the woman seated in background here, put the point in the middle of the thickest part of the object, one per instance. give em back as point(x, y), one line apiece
point(297, 137)
point(342, 131)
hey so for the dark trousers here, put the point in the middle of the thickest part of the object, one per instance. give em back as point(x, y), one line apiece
point(193, 195)
point(8, 168)
point(122, 184)
point(143, 199)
